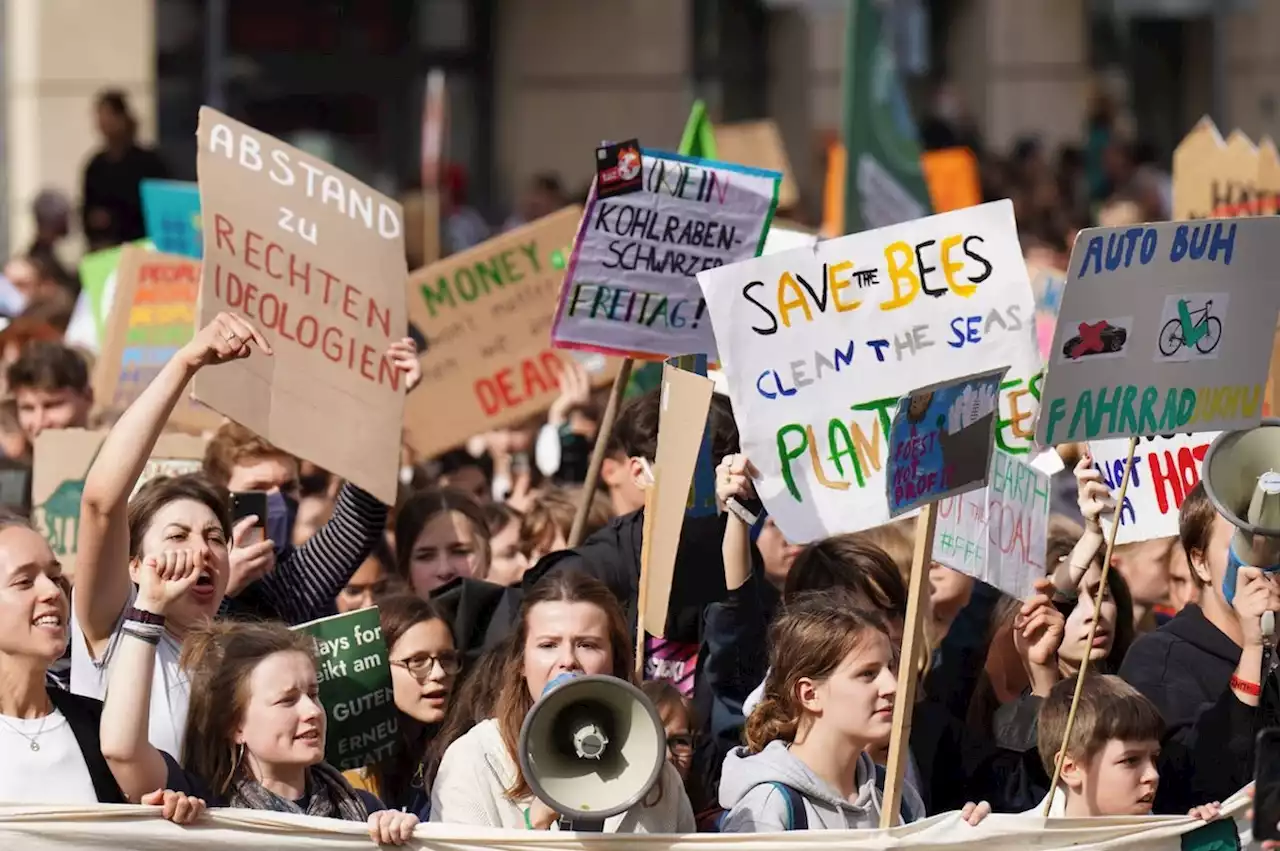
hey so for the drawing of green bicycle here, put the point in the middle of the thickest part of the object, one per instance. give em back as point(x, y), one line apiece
point(1191, 328)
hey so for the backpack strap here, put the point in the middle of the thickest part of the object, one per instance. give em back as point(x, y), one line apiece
point(797, 817)
point(904, 812)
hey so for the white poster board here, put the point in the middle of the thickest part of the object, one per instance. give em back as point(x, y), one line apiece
point(820, 343)
point(997, 534)
point(630, 287)
point(1165, 469)
point(1163, 328)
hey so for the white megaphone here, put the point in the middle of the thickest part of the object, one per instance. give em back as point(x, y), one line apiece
point(592, 747)
point(1241, 475)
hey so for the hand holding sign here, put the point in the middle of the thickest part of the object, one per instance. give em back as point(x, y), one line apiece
point(403, 354)
point(1093, 495)
point(224, 339)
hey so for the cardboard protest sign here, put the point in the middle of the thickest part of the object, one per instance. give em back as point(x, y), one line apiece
point(61, 460)
point(1163, 328)
point(98, 287)
point(682, 416)
point(153, 314)
point(997, 534)
point(940, 441)
point(702, 492)
point(758, 144)
point(1217, 178)
point(355, 688)
point(486, 314)
point(1165, 469)
point(819, 344)
point(314, 259)
point(171, 210)
point(630, 287)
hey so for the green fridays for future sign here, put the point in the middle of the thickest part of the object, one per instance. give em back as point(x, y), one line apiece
point(355, 688)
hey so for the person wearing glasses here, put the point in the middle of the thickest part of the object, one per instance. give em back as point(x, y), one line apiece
point(424, 667)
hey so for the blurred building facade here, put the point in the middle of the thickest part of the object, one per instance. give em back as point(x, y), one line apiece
point(535, 84)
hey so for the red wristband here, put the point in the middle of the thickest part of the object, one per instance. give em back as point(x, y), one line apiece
point(1245, 686)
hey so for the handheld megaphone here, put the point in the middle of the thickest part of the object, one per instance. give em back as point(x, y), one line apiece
point(1241, 475)
point(592, 746)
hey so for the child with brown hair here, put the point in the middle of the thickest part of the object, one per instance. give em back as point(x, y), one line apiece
point(828, 700)
point(1109, 764)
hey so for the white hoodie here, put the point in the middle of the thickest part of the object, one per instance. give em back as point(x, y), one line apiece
point(754, 803)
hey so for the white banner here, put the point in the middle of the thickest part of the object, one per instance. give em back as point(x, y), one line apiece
point(820, 343)
point(125, 828)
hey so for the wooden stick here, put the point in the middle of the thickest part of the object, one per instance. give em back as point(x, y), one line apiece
point(909, 667)
point(646, 534)
point(1093, 630)
point(598, 452)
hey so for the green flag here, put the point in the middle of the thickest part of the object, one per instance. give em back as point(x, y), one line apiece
point(699, 139)
point(883, 181)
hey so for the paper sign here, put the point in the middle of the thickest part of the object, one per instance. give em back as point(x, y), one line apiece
point(1164, 328)
point(1165, 469)
point(62, 458)
point(152, 316)
point(997, 534)
point(686, 397)
point(315, 259)
point(780, 239)
point(171, 210)
point(673, 661)
point(355, 688)
point(819, 344)
point(758, 144)
point(952, 177)
point(486, 316)
point(630, 288)
point(940, 441)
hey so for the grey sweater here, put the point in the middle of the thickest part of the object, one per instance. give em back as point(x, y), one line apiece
point(754, 804)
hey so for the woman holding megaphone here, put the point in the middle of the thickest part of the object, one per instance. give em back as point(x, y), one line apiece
point(570, 625)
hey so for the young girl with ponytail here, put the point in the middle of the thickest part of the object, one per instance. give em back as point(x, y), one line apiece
point(828, 699)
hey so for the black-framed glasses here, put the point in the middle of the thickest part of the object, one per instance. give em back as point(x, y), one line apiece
point(419, 667)
point(680, 742)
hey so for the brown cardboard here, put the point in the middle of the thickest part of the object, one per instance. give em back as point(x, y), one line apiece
point(1195, 165)
point(62, 458)
point(758, 144)
point(682, 419)
point(315, 259)
point(486, 314)
point(1268, 176)
point(153, 313)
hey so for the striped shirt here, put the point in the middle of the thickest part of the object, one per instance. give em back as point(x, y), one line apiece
point(307, 579)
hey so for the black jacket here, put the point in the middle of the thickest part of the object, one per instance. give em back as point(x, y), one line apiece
point(1185, 669)
point(84, 716)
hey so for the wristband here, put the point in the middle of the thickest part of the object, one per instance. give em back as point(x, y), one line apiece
point(150, 636)
point(528, 822)
point(1253, 689)
point(135, 614)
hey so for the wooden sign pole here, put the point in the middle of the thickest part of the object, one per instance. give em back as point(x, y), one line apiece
point(646, 548)
point(1093, 630)
point(598, 451)
point(913, 642)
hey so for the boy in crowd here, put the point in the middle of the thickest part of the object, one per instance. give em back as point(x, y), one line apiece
point(1109, 767)
point(50, 383)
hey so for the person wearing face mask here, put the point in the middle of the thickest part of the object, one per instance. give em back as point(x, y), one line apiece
point(256, 735)
point(49, 737)
point(441, 535)
point(569, 623)
point(424, 665)
point(270, 578)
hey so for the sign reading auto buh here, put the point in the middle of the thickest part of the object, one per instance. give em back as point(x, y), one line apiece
point(820, 343)
point(316, 261)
